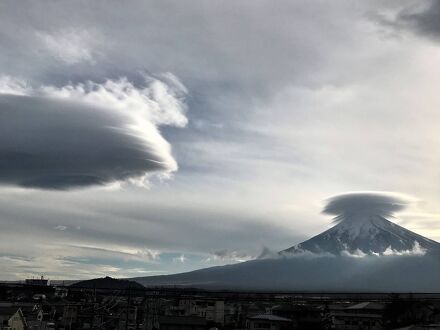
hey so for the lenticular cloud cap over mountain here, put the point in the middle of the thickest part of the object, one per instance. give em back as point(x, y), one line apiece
point(354, 204)
point(363, 228)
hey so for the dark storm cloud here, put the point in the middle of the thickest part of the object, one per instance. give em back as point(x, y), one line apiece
point(423, 19)
point(374, 203)
point(60, 144)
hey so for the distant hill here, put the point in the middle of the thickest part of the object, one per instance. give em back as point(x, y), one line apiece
point(108, 283)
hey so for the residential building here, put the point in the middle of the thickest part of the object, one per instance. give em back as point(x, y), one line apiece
point(365, 315)
point(268, 322)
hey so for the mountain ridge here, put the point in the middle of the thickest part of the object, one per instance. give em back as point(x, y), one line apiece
point(366, 235)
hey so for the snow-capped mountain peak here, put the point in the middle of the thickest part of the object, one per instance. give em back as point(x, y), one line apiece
point(366, 234)
point(362, 228)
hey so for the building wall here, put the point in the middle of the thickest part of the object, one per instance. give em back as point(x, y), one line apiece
point(354, 323)
point(266, 325)
point(211, 310)
point(180, 327)
point(16, 322)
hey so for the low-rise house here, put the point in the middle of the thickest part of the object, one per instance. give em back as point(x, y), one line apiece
point(15, 320)
point(211, 310)
point(12, 315)
point(234, 315)
point(268, 322)
point(365, 315)
point(182, 323)
point(421, 327)
point(40, 325)
point(70, 315)
point(303, 316)
point(37, 281)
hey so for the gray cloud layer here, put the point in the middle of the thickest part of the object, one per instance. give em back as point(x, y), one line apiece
point(423, 18)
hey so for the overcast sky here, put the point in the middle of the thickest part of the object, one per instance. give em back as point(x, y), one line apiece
point(152, 137)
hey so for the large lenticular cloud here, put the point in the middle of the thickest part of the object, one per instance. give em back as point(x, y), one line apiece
point(86, 134)
point(382, 204)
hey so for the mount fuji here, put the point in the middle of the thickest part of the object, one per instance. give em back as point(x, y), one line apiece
point(364, 251)
point(364, 234)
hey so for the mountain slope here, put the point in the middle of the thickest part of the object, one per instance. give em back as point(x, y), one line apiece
point(360, 253)
point(367, 234)
point(307, 273)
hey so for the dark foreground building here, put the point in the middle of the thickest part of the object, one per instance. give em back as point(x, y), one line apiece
point(31, 307)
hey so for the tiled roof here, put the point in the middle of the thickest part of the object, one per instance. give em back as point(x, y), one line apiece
point(270, 317)
point(367, 305)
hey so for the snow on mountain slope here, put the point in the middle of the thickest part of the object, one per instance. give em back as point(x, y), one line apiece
point(366, 234)
point(362, 228)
